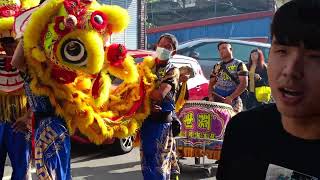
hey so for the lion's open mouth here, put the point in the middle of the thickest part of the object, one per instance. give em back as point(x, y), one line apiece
point(10, 79)
point(62, 75)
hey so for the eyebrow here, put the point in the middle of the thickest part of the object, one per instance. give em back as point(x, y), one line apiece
point(276, 42)
point(171, 46)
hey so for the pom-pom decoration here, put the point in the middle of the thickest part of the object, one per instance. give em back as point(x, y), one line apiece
point(60, 27)
point(116, 54)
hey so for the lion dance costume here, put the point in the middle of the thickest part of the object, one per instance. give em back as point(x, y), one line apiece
point(69, 81)
point(13, 103)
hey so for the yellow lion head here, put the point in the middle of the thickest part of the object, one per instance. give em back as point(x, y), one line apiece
point(69, 60)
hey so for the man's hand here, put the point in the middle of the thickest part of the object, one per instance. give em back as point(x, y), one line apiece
point(156, 108)
point(257, 77)
point(156, 95)
point(184, 78)
point(228, 100)
point(23, 124)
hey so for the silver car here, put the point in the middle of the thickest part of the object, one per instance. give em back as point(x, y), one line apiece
point(206, 52)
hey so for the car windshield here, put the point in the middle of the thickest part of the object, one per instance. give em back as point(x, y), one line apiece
point(138, 60)
point(208, 51)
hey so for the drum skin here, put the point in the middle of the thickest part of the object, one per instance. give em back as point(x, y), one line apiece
point(203, 124)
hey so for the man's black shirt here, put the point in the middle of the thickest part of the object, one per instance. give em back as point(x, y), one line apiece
point(256, 146)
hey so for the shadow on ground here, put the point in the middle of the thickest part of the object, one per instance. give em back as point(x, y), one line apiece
point(121, 171)
point(116, 172)
point(90, 152)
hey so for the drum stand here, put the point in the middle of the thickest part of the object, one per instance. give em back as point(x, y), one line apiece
point(209, 168)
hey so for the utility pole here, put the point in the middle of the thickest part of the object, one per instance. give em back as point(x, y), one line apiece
point(142, 17)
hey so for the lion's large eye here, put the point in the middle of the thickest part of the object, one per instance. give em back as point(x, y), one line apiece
point(74, 52)
point(99, 20)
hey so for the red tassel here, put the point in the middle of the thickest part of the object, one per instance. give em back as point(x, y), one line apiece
point(136, 105)
point(96, 86)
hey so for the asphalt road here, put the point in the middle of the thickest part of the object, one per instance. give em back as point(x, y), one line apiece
point(92, 163)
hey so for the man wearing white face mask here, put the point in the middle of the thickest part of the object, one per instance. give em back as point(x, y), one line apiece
point(158, 157)
point(163, 54)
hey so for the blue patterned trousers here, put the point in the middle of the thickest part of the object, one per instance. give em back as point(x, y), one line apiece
point(52, 149)
point(17, 146)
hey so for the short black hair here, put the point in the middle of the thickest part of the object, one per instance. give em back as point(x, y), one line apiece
point(172, 38)
point(222, 42)
point(297, 22)
point(7, 40)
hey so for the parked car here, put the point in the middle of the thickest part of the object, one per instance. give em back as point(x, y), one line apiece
point(197, 86)
point(205, 51)
point(117, 146)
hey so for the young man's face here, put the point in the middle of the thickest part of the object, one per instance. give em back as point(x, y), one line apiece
point(294, 76)
point(225, 51)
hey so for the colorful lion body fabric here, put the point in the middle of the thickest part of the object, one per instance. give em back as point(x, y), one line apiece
point(12, 101)
point(69, 61)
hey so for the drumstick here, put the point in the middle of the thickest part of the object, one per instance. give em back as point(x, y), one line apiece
point(5, 56)
point(219, 96)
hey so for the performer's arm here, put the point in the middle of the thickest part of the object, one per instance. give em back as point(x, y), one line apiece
point(165, 87)
point(240, 89)
point(158, 95)
point(212, 82)
point(23, 123)
point(18, 60)
point(171, 78)
point(243, 78)
point(161, 92)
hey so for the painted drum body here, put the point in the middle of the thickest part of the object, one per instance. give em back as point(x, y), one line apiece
point(203, 126)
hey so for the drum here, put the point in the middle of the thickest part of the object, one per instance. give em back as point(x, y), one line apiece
point(203, 126)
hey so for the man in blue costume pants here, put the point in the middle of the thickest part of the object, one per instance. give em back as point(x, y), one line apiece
point(158, 157)
point(15, 120)
point(52, 139)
